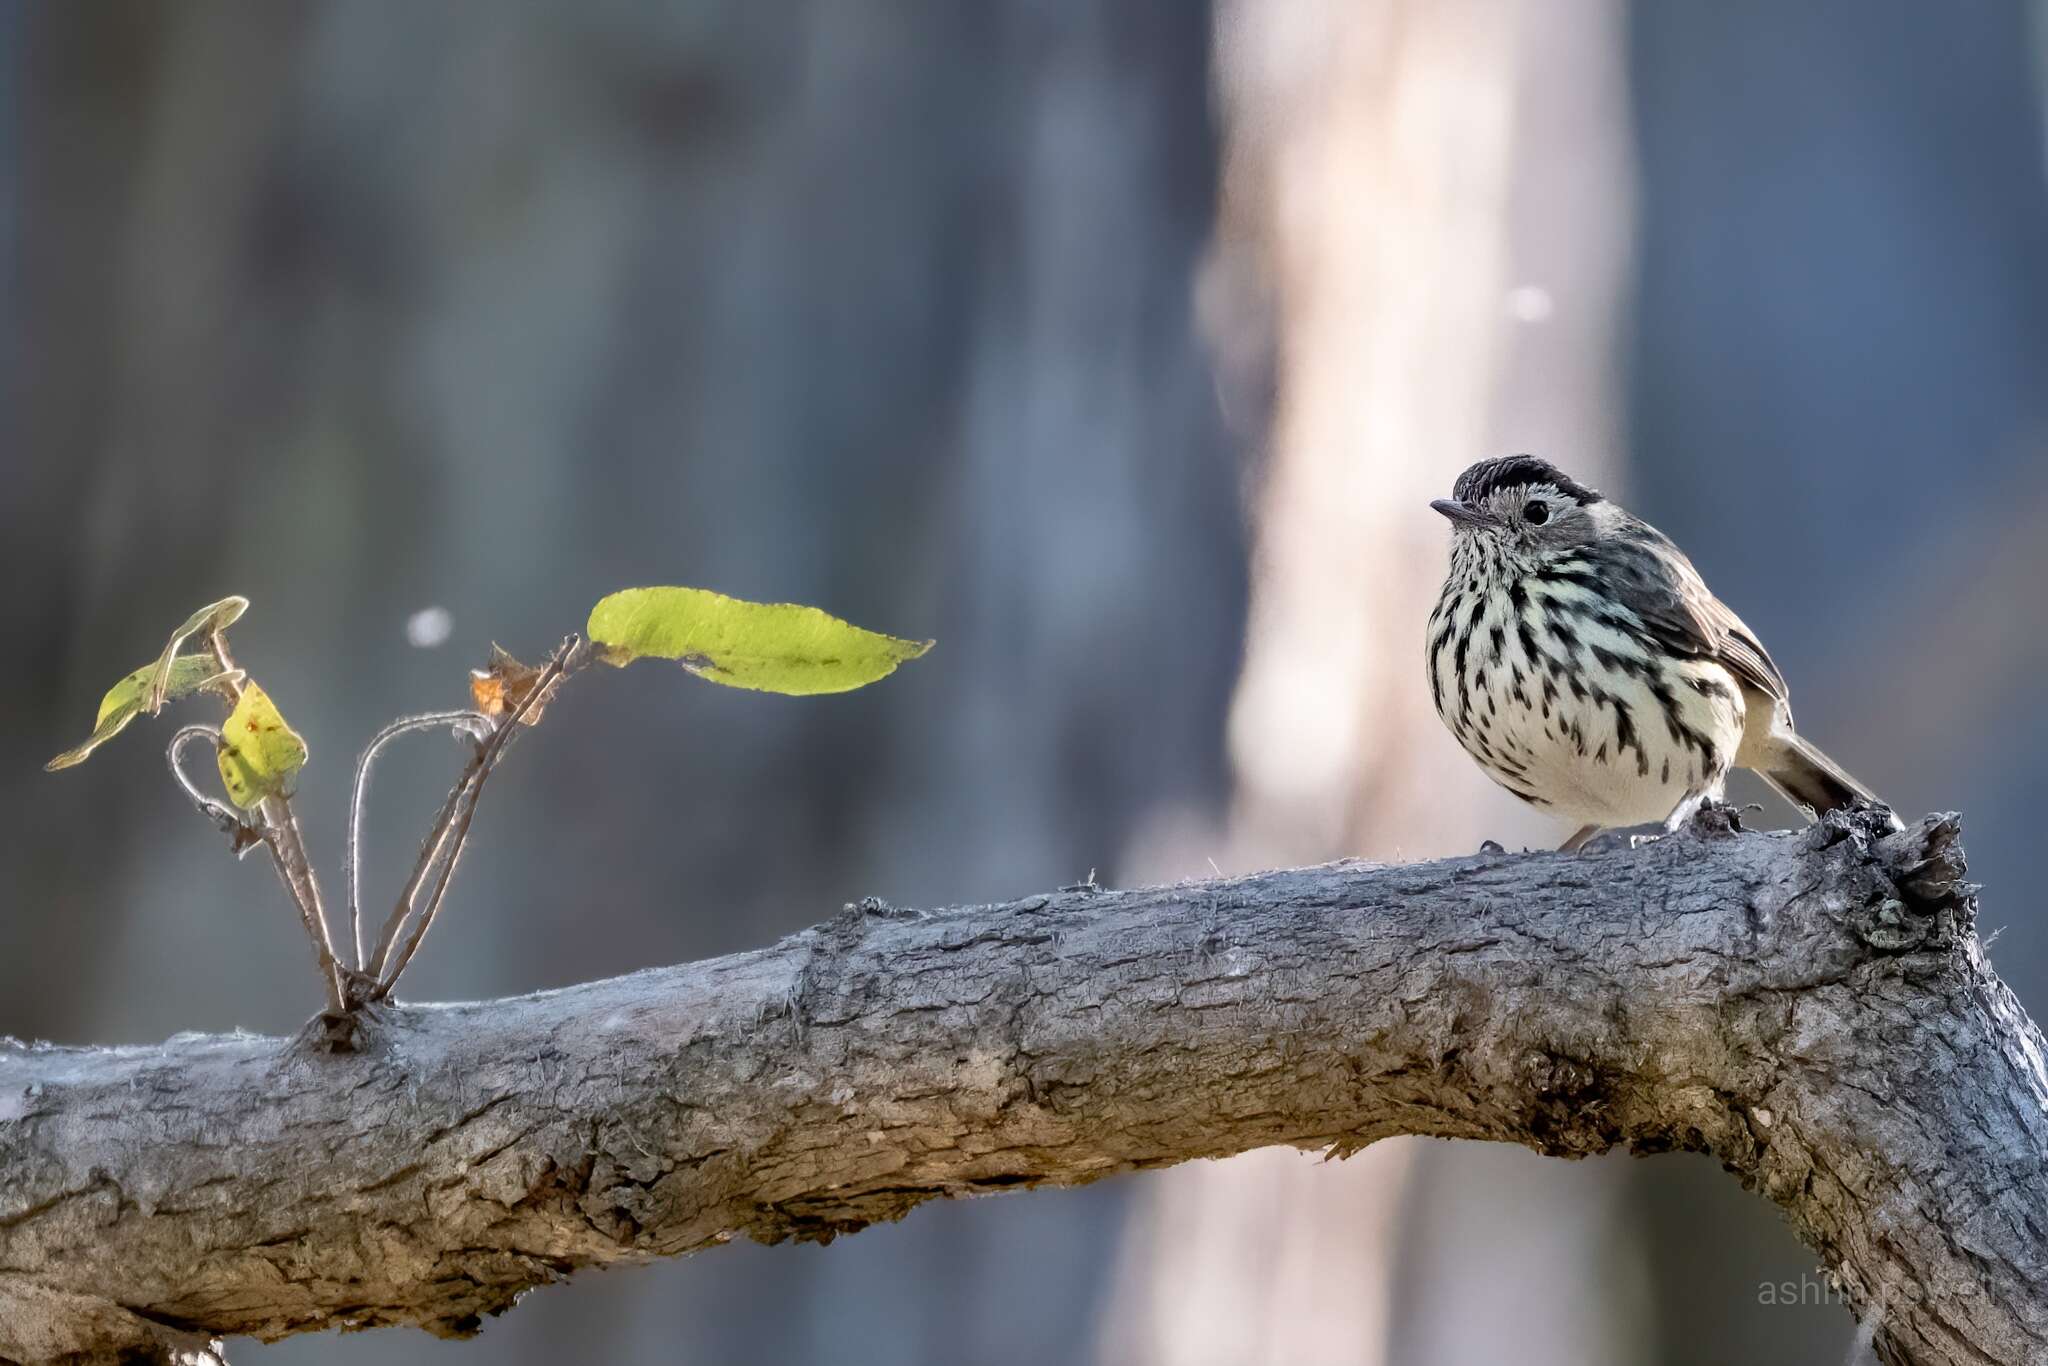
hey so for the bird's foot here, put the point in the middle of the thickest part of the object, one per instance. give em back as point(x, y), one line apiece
point(1881, 811)
point(1580, 838)
point(1704, 817)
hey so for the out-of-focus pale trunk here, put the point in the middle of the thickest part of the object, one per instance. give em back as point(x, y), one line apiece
point(1425, 227)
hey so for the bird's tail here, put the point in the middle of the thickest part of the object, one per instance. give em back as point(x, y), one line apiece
point(1806, 777)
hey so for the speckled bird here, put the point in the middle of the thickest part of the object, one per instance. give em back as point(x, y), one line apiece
point(1578, 656)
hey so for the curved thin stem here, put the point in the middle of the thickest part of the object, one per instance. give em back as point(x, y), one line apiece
point(277, 829)
point(452, 828)
point(352, 865)
point(220, 813)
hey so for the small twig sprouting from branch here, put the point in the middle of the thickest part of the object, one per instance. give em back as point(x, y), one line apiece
point(453, 842)
point(430, 850)
point(444, 843)
point(461, 811)
point(279, 830)
point(287, 850)
point(290, 844)
point(461, 722)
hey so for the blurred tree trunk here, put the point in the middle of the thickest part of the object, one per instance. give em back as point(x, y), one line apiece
point(1425, 205)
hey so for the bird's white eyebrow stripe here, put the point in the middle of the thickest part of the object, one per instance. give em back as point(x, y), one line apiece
point(1524, 493)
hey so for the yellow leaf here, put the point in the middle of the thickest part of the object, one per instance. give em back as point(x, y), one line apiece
point(260, 756)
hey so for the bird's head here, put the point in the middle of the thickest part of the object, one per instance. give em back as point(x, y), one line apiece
point(1524, 508)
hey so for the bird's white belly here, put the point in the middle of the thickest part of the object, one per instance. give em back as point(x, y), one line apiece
point(1599, 741)
point(1613, 761)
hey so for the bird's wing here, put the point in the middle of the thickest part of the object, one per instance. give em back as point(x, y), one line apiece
point(1654, 580)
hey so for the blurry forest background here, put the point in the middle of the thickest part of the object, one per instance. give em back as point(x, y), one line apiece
point(1119, 347)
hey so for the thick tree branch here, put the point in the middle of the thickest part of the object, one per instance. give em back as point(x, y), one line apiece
point(1812, 1008)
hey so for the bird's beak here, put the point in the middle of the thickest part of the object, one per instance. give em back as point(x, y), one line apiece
point(1464, 514)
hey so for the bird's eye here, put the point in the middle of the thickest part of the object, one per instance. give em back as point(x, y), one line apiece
point(1536, 513)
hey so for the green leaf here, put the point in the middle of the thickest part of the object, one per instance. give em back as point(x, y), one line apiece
point(260, 756)
point(130, 698)
point(774, 647)
point(215, 616)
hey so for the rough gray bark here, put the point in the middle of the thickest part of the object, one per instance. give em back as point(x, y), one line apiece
point(1812, 1008)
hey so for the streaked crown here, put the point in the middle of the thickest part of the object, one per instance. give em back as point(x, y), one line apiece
point(1488, 477)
